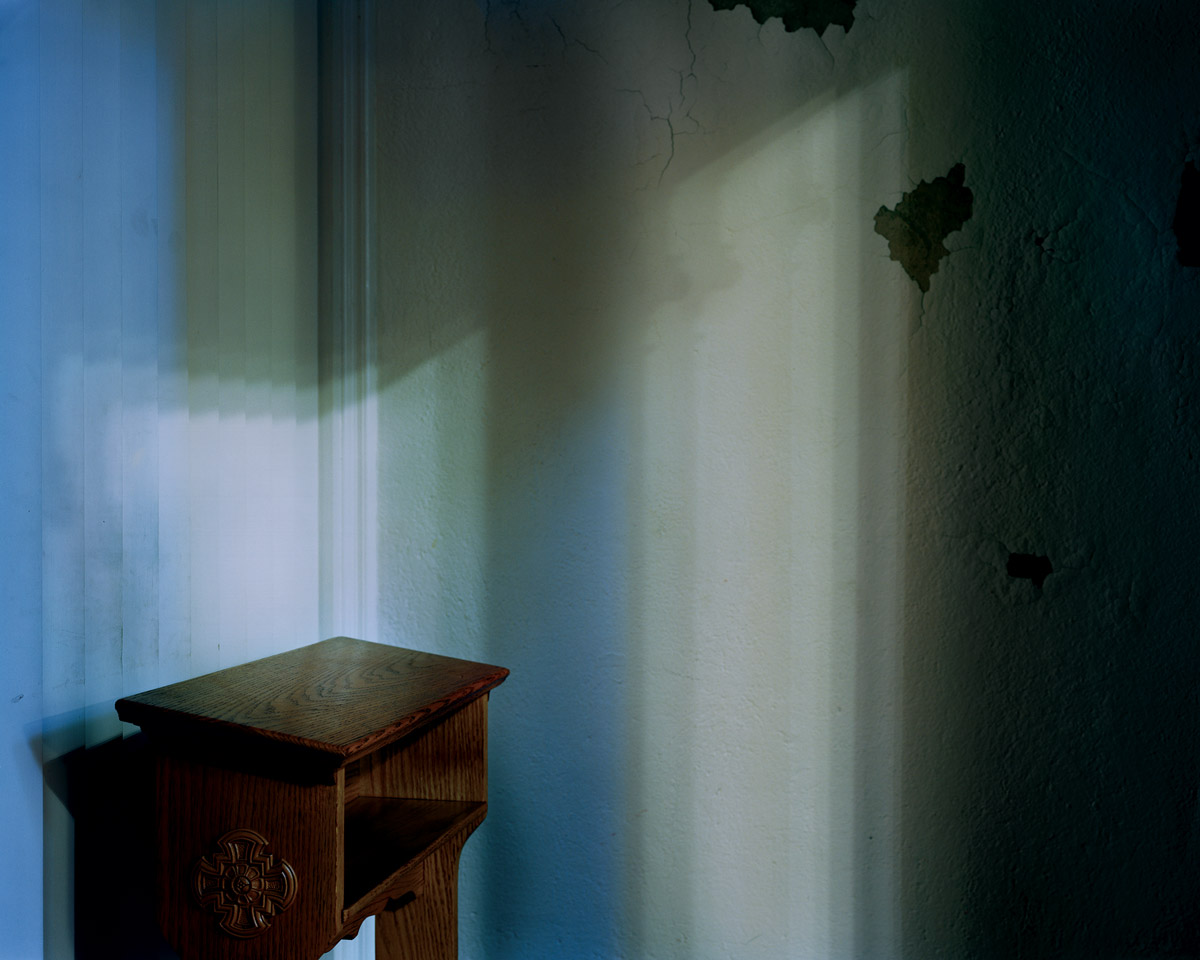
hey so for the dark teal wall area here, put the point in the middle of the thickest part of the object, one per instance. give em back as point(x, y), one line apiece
point(1050, 725)
point(1187, 217)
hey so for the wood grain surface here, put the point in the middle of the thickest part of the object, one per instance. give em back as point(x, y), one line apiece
point(448, 761)
point(339, 699)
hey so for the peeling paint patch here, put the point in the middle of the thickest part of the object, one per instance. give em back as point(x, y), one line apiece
point(1187, 218)
point(1028, 566)
point(817, 15)
point(922, 220)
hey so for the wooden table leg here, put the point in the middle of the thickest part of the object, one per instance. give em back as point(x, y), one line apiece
point(427, 927)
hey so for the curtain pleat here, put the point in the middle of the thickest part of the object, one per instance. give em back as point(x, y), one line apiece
point(21, 480)
point(177, 307)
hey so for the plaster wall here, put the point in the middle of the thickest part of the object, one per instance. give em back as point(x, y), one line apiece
point(665, 430)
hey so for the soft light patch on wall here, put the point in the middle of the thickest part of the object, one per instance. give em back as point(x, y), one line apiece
point(748, 504)
point(438, 470)
point(643, 297)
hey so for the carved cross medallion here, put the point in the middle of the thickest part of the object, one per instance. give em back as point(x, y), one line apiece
point(242, 884)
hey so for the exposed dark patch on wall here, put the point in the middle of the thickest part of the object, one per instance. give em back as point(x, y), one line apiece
point(1187, 217)
point(922, 220)
point(817, 15)
point(1028, 566)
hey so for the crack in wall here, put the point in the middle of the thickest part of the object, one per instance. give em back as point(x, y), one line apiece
point(684, 76)
point(676, 112)
point(575, 41)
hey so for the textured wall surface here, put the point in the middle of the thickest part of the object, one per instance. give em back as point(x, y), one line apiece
point(1050, 733)
point(846, 619)
point(838, 531)
point(622, 255)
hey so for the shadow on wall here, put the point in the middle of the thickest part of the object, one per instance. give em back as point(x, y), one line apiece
point(557, 483)
point(108, 790)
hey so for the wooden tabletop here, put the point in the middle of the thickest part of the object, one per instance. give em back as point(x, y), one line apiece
point(339, 699)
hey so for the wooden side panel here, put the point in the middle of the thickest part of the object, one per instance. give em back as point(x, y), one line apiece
point(447, 762)
point(302, 826)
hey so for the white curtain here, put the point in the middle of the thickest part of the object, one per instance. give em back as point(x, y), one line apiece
point(178, 319)
point(159, 295)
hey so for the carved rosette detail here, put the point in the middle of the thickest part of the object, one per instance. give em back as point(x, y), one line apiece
point(242, 884)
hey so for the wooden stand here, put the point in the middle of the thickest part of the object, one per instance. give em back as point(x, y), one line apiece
point(302, 793)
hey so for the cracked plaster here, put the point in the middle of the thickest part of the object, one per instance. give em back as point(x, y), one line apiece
point(816, 15)
point(916, 228)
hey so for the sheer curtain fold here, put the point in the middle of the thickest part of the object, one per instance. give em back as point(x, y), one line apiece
point(178, 318)
point(177, 304)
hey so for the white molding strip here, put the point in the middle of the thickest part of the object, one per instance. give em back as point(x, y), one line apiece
point(349, 448)
point(349, 592)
